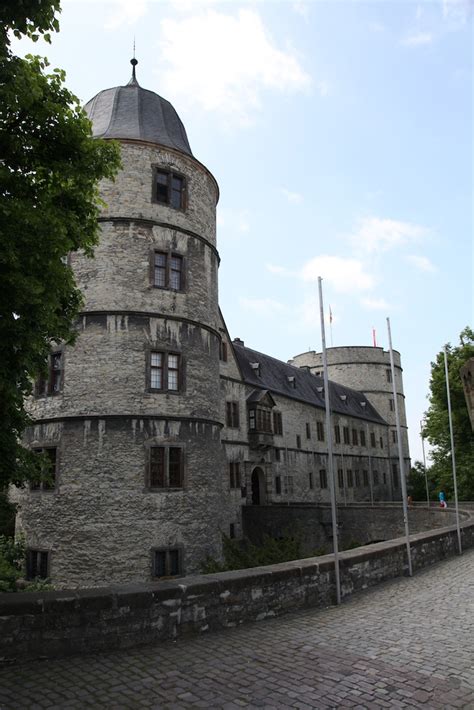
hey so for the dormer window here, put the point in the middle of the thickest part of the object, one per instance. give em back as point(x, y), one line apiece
point(292, 381)
point(170, 189)
point(256, 368)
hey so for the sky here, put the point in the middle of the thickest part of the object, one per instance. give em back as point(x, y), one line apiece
point(340, 134)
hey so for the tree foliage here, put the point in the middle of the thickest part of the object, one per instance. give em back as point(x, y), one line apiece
point(242, 554)
point(436, 426)
point(49, 206)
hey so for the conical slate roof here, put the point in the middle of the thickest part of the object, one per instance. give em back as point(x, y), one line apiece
point(133, 113)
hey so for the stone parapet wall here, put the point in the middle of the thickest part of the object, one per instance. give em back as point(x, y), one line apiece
point(58, 623)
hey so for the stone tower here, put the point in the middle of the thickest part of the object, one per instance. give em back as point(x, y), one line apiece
point(367, 369)
point(130, 416)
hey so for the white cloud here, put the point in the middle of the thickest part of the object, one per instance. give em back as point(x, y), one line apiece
point(457, 10)
point(418, 39)
point(264, 306)
point(274, 269)
point(422, 263)
point(375, 304)
point(345, 275)
point(223, 62)
point(126, 12)
point(378, 235)
point(301, 8)
point(376, 27)
point(293, 197)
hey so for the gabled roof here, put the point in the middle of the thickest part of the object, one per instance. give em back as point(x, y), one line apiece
point(297, 383)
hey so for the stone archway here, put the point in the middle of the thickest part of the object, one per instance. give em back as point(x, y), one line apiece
point(258, 486)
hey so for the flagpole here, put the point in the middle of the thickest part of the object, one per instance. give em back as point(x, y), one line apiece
point(332, 486)
point(424, 464)
point(453, 458)
point(330, 324)
point(400, 454)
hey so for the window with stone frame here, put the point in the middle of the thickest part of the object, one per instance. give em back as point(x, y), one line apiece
point(384, 474)
point(365, 476)
point(47, 482)
point(167, 562)
point(170, 189)
point(165, 372)
point(340, 477)
point(357, 478)
point(288, 485)
point(389, 375)
point(395, 477)
point(165, 468)
point(278, 485)
point(308, 431)
point(168, 271)
point(355, 437)
point(362, 437)
point(298, 441)
point(260, 419)
point(223, 351)
point(350, 478)
point(277, 454)
point(234, 474)
point(381, 442)
point(277, 423)
point(376, 478)
point(337, 433)
point(232, 415)
point(373, 442)
point(323, 478)
point(37, 564)
point(391, 405)
point(320, 431)
point(51, 382)
point(310, 480)
point(346, 434)
point(394, 436)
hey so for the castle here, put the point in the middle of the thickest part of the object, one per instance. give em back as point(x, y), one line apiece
point(157, 426)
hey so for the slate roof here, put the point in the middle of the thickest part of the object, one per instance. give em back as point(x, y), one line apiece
point(273, 376)
point(134, 113)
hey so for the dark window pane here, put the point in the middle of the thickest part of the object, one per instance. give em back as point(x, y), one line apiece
point(160, 563)
point(157, 467)
point(174, 467)
point(161, 178)
point(175, 272)
point(173, 562)
point(43, 564)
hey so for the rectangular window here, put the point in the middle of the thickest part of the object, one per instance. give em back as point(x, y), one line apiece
point(365, 476)
point(170, 189)
point(389, 375)
point(308, 431)
point(337, 434)
point(252, 419)
point(391, 405)
point(165, 467)
point(340, 477)
point(48, 480)
point(355, 437)
point(277, 423)
point(320, 431)
point(234, 474)
point(277, 454)
point(323, 479)
point(298, 441)
point(395, 475)
point(223, 351)
point(165, 372)
point(52, 382)
point(394, 436)
point(37, 564)
point(278, 485)
point(362, 437)
point(346, 434)
point(384, 478)
point(167, 562)
point(310, 480)
point(260, 419)
point(373, 443)
point(376, 478)
point(381, 443)
point(357, 478)
point(288, 485)
point(168, 271)
point(350, 479)
point(232, 531)
point(232, 415)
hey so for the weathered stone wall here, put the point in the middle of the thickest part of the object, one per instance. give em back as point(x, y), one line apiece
point(365, 369)
point(58, 623)
point(101, 522)
point(362, 525)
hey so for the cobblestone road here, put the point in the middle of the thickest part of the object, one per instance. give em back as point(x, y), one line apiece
point(407, 644)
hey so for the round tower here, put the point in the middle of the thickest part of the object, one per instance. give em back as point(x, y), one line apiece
point(130, 415)
point(366, 369)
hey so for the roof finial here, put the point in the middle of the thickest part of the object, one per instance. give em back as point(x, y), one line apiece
point(133, 81)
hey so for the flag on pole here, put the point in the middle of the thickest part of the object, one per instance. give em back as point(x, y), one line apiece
point(374, 337)
point(330, 314)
